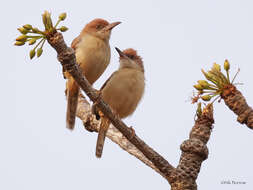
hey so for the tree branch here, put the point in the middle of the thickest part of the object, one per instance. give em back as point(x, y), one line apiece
point(236, 102)
point(67, 58)
point(92, 125)
point(194, 150)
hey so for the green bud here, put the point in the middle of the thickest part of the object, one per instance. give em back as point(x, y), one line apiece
point(36, 30)
point(199, 110)
point(62, 16)
point(206, 97)
point(18, 43)
point(216, 67)
point(203, 83)
point(198, 87)
point(32, 41)
point(28, 27)
point(32, 53)
point(22, 30)
point(63, 29)
point(21, 38)
point(39, 52)
point(49, 21)
point(226, 65)
point(44, 19)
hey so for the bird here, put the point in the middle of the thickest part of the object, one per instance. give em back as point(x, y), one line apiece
point(122, 91)
point(93, 53)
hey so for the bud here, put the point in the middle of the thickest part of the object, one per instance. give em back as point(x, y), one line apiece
point(21, 38)
point(62, 16)
point(22, 30)
point(28, 27)
point(18, 43)
point(32, 53)
point(198, 87)
point(216, 67)
point(32, 41)
point(63, 29)
point(39, 52)
point(35, 30)
point(199, 110)
point(207, 75)
point(226, 65)
point(49, 21)
point(206, 97)
point(44, 19)
point(203, 83)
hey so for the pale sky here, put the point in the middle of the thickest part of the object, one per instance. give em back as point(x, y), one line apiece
point(176, 39)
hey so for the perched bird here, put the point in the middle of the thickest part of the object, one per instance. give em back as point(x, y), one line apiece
point(93, 53)
point(122, 91)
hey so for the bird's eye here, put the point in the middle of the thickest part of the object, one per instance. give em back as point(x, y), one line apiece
point(99, 27)
point(131, 56)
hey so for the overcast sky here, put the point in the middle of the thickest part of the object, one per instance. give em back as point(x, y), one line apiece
point(176, 39)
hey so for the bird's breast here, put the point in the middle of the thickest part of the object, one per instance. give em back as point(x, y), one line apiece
point(124, 91)
point(93, 56)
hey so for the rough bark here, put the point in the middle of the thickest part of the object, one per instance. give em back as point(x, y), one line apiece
point(91, 124)
point(234, 99)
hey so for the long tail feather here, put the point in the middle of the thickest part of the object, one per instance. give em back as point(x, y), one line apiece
point(72, 94)
point(101, 136)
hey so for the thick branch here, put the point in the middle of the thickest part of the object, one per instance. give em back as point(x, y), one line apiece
point(194, 152)
point(92, 125)
point(234, 99)
point(66, 56)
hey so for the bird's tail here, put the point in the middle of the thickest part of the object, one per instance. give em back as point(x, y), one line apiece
point(101, 136)
point(72, 96)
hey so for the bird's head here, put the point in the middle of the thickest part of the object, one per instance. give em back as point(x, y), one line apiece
point(130, 59)
point(100, 28)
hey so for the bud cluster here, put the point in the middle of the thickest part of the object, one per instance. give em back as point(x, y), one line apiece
point(38, 35)
point(215, 82)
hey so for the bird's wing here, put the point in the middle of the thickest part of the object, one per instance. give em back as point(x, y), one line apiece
point(75, 42)
point(94, 108)
point(74, 46)
point(108, 80)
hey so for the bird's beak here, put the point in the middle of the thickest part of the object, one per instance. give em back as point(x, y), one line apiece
point(121, 54)
point(111, 26)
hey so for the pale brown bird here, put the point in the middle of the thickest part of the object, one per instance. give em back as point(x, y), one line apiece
point(122, 91)
point(93, 55)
